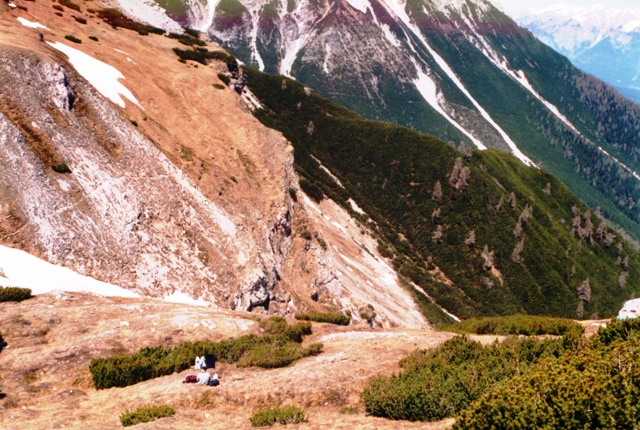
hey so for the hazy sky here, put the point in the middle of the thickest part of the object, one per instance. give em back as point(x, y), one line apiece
point(517, 6)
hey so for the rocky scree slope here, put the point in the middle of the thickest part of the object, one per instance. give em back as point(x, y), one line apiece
point(183, 191)
point(460, 70)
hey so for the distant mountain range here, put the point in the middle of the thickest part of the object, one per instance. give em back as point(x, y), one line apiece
point(598, 40)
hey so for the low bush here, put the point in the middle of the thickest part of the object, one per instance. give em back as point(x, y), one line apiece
point(286, 415)
point(441, 383)
point(80, 20)
point(94, 38)
point(596, 386)
point(62, 167)
point(294, 194)
point(58, 7)
point(70, 4)
point(72, 38)
point(278, 347)
point(527, 325)
point(3, 344)
point(310, 189)
point(187, 39)
point(203, 56)
point(14, 294)
point(324, 317)
point(224, 78)
point(146, 414)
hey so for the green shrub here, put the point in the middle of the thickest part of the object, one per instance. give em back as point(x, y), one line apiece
point(305, 234)
point(595, 386)
point(279, 347)
point(70, 4)
point(311, 190)
point(62, 167)
point(219, 86)
point(94, 38)
point(72, 38)
point(324, 317)
point(224, 78)
point(80, 20)
point(146, 414)
point(203, 55)
point(294, 194)
point(58, 7)
point(14, 294)
point(187, 39)
point(527, 325)
point(3, 344)
point(441, 383)
point(286, 415)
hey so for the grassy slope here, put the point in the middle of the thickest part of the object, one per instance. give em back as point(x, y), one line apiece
point(391, 172)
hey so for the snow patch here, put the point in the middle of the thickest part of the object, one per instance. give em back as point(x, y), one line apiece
point(28, 23)
point(355, 207)
point(102, 76)
point(427, 88)
point(328, 172)
point(180, 297)
point(151, 13)
point(630, 310)
point(22, 269)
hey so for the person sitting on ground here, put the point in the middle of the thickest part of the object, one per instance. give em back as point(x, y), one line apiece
point(203, 377)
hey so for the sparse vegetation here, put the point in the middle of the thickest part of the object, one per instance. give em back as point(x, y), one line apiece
point(94, 38)
point(72, 38)
point(14, 294)
point(350, 410)
point(218, 86)
point(61, 168)
point(116, 19)
point(224, 78)
point(146, 414)
point(283, 415)
point(58, 7)
point(324, 317)
point(203, 55)
point(186, 153)
point(294, 194)
point(278, 347)
point(70, 4)
point(187, 39)
point(527, 325)
point(80, 20)
point(305, 234)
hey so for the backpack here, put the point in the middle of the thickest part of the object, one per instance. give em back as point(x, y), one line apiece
point(190, 379)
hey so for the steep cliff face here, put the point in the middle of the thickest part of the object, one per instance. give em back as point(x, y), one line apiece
point(170, 186)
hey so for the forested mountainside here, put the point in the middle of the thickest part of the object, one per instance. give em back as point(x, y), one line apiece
point(460, 70)
point(479, 231)
point(597, 39)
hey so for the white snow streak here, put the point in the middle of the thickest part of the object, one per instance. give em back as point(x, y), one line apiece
point(151, 13)
point(361, 5)
point(31, 24)
point(398, 9)
point(24, 270)
point(255, 17)
point(101, 75)
point(355, 206)
point(428, 90)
